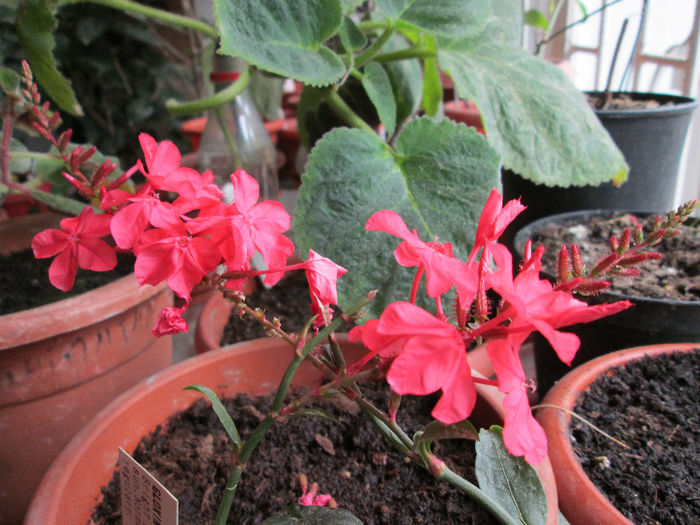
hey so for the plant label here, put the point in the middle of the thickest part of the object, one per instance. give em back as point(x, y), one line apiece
point(144, 500)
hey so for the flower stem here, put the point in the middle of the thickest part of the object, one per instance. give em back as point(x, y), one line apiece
point(160, 15)
point(371, 51)
point(252, 442)
point(476, 494)
point(221, 97)
point(344, 111)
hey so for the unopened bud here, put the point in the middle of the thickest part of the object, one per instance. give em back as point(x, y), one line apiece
point(576, 262)
point(605, 264)
point(639, 258)
point(592, 287)
point(64, 140)
point(563, 265)
point(625, 272)
point(614, 244)
point(625, 240)
point(638, 234)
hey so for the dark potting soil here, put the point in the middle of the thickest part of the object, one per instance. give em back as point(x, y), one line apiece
point(621, 101)
point(676, 276)
point(24, 280)
point(352, 462)
point(289, 300)
point(651, 405)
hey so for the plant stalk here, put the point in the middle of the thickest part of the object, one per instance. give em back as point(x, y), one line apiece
point(219, 98)
point(344, 111)
point(160, 15)
point(371, 51)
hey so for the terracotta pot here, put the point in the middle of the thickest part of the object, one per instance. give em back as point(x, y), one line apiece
point(63, 362)
point(71, 488)
point(464, 111)
point(579, 499)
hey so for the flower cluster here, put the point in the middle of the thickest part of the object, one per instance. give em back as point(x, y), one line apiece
point(182, 241)
point(195, 235)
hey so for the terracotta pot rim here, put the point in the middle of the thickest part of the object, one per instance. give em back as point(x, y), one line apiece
point(36, 324)
point(573, 484)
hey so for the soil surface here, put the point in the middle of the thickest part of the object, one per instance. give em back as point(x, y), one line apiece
point(351, 462)
point(24, 281)
point(650, 405)
point(676, 276)
point(621, 101)
point(289, 300)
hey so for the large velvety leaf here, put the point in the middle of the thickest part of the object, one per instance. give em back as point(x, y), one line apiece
point(376, 82)
point(283, 37)
point(533, 115)
point(312, 515)
point(510, 481)
point(35, 23)
point(505, 23)
point(456, 18)
point(438, 180)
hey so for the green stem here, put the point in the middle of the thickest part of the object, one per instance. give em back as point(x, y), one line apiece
point(368, 54)
point(476, 494)
point(405, 54)
point(344, 111)
point(160, 15)
point(221, 97)
point(251, 443)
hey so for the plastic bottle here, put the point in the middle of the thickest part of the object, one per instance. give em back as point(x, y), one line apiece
point(237, 123)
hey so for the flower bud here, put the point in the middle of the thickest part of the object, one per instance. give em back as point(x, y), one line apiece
point(576, 261)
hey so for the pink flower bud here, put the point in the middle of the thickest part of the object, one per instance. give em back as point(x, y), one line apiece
point(576, 261)
point(563, 265)
point(170, 321)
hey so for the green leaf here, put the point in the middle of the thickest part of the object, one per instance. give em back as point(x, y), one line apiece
point(406, 78)
point(378, 86)
point(18, 163)
point(58, 202)
point(510, 481)
point(536, 18)
point(283, 37)
point(220, 411)
point(312, 515)
point(438, 180)
point(9, 80)
point(456, 18)
point(316, 412)
point(438, 430)
point(35, 23)
point(533, 115)
point(350, 35)
point(505, 23)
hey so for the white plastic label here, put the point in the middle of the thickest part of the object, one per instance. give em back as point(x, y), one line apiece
point(144, 500)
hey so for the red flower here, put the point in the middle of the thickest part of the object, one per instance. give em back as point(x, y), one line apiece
point(77, 244)
point(247, 226)
point(169, 322)
point(428, 355)
point(176, 257)
point(322, 275)
point(494, 219)
point(434, 258)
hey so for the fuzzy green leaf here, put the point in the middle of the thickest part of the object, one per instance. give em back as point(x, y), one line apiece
point(533, 115)
point(9, 80)
point(58, 202)
point(432, 88)
point(535, 18)
point(283, 37)
point(378, 86)
point(350, 35)
point(437, 430)
point(220, 411)
point(510, 481)
point(456, 18)
point(437, 179)
point(312, 515)
point(35, 23)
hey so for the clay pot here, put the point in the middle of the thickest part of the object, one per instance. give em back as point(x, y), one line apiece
point(63, 362)
point(71, 488)
point(464, 111)
point(579, 499)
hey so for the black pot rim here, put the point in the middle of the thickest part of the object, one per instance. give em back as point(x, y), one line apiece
point(670, 105)
point(525, 233)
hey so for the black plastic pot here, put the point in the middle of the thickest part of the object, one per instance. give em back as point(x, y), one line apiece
point(649, 321)
point(651, 139)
